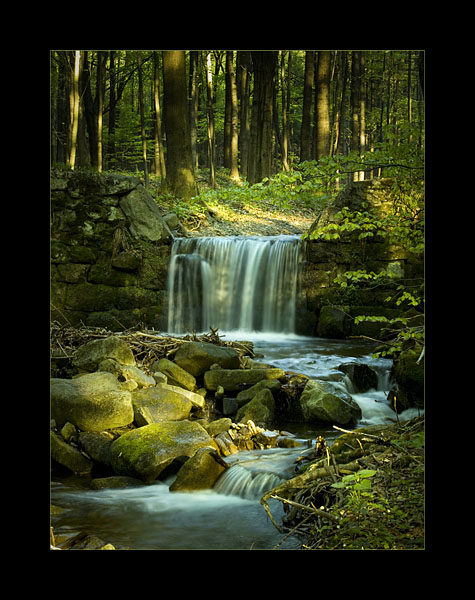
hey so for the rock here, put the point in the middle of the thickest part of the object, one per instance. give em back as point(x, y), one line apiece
point(160, 404)
point(88, 356)
point(409, 377)
point(225, 444)
point(320, 402)
point(171, 220)
point(145, 452)
point(126, 261)
point(197, 357)
point(145, 220)
point(115, 482)
point(176, 375)
point(199, 472)
point(267, 438)
point(69, 432)
point(362, 377)
point(233, 380)
point(334, 322)
point(260, 409)
point(273, 385)
point(160, 377)
point(218, 426)
point(97, 445)
point(92, 402)
point(69, 456)
point(129, 372)
point(230, 406)
point(196, 399)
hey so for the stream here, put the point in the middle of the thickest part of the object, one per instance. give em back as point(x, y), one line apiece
point(229, 516)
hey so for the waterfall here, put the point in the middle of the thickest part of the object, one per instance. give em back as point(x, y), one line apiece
point(243, 283)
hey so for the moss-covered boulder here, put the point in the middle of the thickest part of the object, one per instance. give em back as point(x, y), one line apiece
point(409, 376)
point(334, 322)
point(260, 409)
point(145, 452)
point(320, 402)
point(68, 456)
point(245, 396)
point(197, 357)
point(92, 402)
point(156, 404)
point(176, 375)
point(199, 472)
point(232, 380)
point(88, 356)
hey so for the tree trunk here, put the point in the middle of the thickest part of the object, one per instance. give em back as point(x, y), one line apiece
point(355, 106)
point(306, 130)
point(142, 118)
point(322, 99)
point(285, 124)
point(193, 95)
point(112, 108)
point(260, 155)
point(211, 137)
point(234, 142)
point(362, 109)
point(101, 57)
point(180, 179)
point(90, 108)
point(159, 158)
point(74, 108)
point(244, 73)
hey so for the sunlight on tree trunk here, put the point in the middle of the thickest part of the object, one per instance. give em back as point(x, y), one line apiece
point(74, 109)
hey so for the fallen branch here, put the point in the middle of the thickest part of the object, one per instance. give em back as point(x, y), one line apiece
point(315, 511)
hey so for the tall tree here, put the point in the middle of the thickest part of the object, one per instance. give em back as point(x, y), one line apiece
point(180, 178)
point(159, 158)
point(193, 95)
point(285, 91)
point(322, 100)
point(211, 136)
point(260, 155)
point(233, 141)
point(101, 58)
point(142, 118)
point(306, 129)
point(244, 67)
point(362, 108)
point(74, 106)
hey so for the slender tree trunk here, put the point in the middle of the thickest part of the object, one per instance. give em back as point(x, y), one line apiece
point(142, 118)
point(100, 105)
point(74, 107)
point(159, 158)
point(285, 125)
point(260, 155)
point(227, 114)
point(234, 141)
point(409, 94)
point(90, 110)
point(306, 130)
point(180, 179)
point(193, 95)
point(244, 74)
point(112, 108)
point(362, 109)
point(355, 106)
point(211, 137)
point(322, 99)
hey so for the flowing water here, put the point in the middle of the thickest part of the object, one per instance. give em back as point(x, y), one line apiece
point(246, 287)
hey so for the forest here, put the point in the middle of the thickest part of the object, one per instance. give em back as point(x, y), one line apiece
point(170, 115)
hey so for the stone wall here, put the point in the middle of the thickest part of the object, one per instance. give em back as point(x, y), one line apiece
point(110, 247)
point(325, 308)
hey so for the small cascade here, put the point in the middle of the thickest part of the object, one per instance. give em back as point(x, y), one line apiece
point(243, 283)
point(239, 481)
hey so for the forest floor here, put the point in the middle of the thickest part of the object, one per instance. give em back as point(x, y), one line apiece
point(229, 210)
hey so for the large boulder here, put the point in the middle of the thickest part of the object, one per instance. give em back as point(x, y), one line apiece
point(245, 396)
point(88, 356)
point(155, 404)
point(196, 399)
point(320, 402)
point(260, 409)
point(145, 452)
point(409, 375)
point(197, 357)
point(334, 322)
point(176, 375)
point(362, 377)
point(145, 220)
point(92, 402)
point(232, 380)
point(199, 472)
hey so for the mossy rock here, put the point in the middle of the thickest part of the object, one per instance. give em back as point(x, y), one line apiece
point(409, 375)
point(145, 452)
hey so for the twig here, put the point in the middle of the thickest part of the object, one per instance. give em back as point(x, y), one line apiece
point(292, 531)
point(316, 511)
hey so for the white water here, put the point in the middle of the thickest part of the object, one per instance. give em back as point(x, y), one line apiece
point(241, 283)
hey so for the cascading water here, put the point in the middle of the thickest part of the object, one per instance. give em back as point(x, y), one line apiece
point(243, 283)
